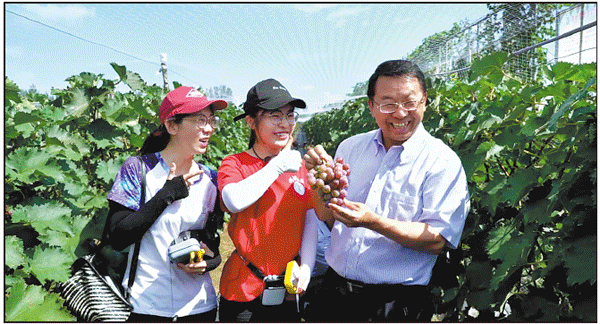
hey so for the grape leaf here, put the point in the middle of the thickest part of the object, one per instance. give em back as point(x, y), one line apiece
point(51, 264)
point(519, 183)
point(53, 237)
point(511, 254)
point(134, 81)
point(26, 117)
point(26, 160)
point(79, 103)
point(21, 300)
point(29, 303)
point(537, 211)
point(581, 261)
point(13, 251)
point(106, 170)
point(568, 103)
point(487, 65)
point(74, 231)
point(51, 215)
point(498, 237)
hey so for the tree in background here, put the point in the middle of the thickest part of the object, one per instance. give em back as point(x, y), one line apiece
point(360, 89)
point(219, 92)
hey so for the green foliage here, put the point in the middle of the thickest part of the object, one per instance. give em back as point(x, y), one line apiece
point(232, 137)
point(62, 153)
point(331, 128)
point(30, 303)
point(360, 89)
point(529, 150)
point(530, 153)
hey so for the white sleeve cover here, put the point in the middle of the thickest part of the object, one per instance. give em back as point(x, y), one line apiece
point(240, 195)
point(308, 249)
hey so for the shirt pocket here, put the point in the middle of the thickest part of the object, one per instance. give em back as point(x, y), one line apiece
point(401, 207)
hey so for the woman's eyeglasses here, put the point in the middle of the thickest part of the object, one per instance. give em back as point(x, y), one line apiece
point(276, 118)
point(201, 121)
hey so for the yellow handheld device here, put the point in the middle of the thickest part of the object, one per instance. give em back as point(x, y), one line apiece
point(290, 280)
point(295, 278)
point(196, 256)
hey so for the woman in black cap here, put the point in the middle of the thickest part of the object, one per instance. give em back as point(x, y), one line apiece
point(272, 211)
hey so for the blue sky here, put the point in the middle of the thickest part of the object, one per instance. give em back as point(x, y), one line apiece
point(318, 51)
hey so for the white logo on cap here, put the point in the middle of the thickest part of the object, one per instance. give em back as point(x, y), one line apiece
point(195, 93)
point(280, 88)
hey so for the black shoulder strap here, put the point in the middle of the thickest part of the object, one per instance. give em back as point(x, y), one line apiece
point(136, 248)
point(255, 270)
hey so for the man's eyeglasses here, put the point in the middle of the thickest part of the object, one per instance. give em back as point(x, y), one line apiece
point(201, 121)
point(390, 107)
point(277, 118)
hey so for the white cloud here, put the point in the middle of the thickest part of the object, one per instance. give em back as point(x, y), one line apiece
point(310, 8)
point(61, 12)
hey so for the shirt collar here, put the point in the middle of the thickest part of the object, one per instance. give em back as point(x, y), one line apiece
point(414, 144)
point(409, 149)
point(378, 141)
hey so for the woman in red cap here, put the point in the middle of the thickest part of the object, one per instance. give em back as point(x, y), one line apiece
point(180, 196)
point(271, 206)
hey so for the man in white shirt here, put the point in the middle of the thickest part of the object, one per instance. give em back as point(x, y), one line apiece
point(407, 200)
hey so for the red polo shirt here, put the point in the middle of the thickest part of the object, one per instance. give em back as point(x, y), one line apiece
point(268, 233)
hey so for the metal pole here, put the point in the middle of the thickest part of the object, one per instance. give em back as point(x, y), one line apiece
point(569, 33)
point(581, 13)
point(163, 69)
point(556, 45)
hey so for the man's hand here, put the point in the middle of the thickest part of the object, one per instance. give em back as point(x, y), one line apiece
point(315, 156)
point(413, 235)
point(354, 214)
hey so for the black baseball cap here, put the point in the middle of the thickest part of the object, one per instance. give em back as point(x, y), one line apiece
point(268, 94)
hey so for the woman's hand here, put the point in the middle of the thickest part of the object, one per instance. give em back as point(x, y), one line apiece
point(196, 268)
point(188, 178)
point(200, 266)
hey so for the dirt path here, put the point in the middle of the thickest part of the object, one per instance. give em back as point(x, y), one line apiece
point(225, 249)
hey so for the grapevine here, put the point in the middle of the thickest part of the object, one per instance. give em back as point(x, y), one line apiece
point(331, 180)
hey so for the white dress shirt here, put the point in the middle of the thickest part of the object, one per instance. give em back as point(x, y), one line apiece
point(421, 180)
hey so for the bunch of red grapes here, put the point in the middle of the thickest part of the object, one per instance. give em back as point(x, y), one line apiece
point(331, 180)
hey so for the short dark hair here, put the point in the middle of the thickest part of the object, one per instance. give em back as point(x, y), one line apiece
point(395, 68)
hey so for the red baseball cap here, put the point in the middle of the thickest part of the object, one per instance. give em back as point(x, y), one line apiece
point(186, 100)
